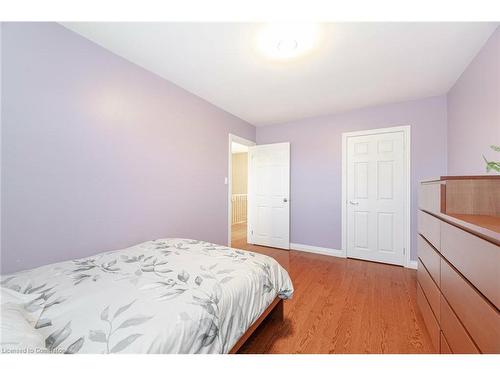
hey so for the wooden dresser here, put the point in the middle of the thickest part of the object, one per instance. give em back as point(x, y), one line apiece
point(458, 289)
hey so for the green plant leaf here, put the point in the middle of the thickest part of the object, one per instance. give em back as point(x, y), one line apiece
point(491, 165)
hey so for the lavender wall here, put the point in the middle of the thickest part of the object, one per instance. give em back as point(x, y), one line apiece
point(99, 154)
point(474, 112)
point(316, 154)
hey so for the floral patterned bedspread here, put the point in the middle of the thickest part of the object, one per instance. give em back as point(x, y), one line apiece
point(163, 296)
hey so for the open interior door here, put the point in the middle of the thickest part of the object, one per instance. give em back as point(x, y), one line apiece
point(269, 195)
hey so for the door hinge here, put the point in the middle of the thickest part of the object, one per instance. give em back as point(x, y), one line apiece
point(404, 250)
point(251, 232)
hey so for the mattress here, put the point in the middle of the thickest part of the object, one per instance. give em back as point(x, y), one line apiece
point(163, 296)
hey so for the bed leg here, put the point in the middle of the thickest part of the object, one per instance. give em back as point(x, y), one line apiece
point(278, 312)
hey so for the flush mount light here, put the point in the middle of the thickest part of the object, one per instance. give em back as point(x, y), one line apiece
point(287, 41)
point(287, 45)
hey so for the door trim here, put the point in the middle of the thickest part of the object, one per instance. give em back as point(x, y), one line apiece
point(243, 141)
point(406, 130)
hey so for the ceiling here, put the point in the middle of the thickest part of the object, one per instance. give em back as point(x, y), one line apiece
point(353, 65)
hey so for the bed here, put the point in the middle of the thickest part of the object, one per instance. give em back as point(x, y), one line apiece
point(163, 296)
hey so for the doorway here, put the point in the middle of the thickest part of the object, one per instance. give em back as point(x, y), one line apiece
point(238, 190)
point(258, 194)
point(376, 195)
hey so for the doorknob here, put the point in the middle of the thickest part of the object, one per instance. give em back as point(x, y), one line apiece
point(285, 200)
point(354, 203)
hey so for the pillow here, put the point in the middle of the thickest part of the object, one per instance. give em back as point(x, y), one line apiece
point(31, 305)
point(17, 334)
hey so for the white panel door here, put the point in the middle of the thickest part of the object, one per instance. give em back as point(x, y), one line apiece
point(375, 197)
point(268, 195)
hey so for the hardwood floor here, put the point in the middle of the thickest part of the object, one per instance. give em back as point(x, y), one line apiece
point(340, 306)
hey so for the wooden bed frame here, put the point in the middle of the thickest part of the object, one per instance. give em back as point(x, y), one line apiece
point(275, 310)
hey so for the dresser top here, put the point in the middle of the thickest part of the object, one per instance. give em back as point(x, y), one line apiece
point(448, 178)
point(484, 226)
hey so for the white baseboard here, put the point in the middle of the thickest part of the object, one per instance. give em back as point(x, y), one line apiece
point(413, 264)
point(317, 250)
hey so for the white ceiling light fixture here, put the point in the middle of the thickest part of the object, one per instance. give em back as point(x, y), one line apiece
point(287, 41)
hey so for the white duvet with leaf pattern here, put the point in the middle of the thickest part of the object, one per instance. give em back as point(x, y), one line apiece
point(162, 296)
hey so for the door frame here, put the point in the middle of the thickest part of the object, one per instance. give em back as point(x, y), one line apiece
point(406, 130)
point(246, 142)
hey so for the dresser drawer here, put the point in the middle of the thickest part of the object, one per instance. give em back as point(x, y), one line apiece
point(481, 319)
point(429, 196)
point(430, 321)
point(478, 260)
point(429, 288)
point(429, 227)
point(456, 335)
point(445, 348)
point(430, 258)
